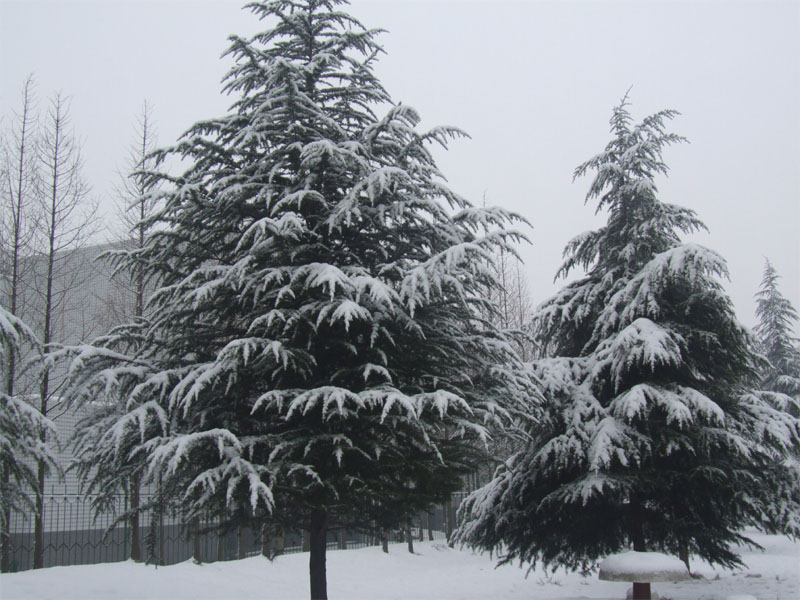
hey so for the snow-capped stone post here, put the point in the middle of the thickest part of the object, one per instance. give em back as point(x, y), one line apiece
point(642, 569)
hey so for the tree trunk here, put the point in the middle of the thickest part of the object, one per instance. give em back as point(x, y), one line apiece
point(38, 518)
point(641, 591)
point(384, 541)
point(428, 520)
point(5, 534)
point(265, 539)
point(161, 557)
point(638, 540)
point(220, 537)
point(318, 542)
point(409, 538)
point(19, 243)
point(241, 543)
point(44, 389)
point(448, 520)
point(636, 525)
point(280, 542)
point(38, 526)
point(683, 554)
point(136, 544)
point(196, 540)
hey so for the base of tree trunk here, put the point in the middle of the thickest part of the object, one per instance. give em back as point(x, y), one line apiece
point(220, 545)
point(241, 543)
point(318, 542)
point(265, 540)
point(196, 540)
point(280, 542)
point(136, 544)
point(38, 519)
point(409, 539)
point(448, 520)
point(683, 554)
point(5, 537)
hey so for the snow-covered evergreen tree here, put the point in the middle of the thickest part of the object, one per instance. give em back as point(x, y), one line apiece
point(21, 428)
point(774, 332)
point(778, 378)
point(315, 350)
point(651, 435)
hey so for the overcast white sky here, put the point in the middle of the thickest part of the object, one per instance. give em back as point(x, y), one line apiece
point(533, 83)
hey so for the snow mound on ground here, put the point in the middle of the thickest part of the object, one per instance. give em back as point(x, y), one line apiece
point(643, 567)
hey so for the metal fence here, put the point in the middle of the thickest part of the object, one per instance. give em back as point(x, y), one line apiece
point(75, 535)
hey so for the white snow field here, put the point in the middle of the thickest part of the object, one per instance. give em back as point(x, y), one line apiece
point(434, 572)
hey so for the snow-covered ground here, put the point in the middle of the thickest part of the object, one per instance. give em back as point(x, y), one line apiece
point(434, 572)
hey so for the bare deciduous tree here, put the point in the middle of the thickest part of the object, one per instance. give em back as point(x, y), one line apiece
point(513, 299)
point(67, 223)
point(17, 225)
point(134, 207)
point(513, 307)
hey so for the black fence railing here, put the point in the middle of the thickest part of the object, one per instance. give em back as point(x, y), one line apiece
point(75, 535)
